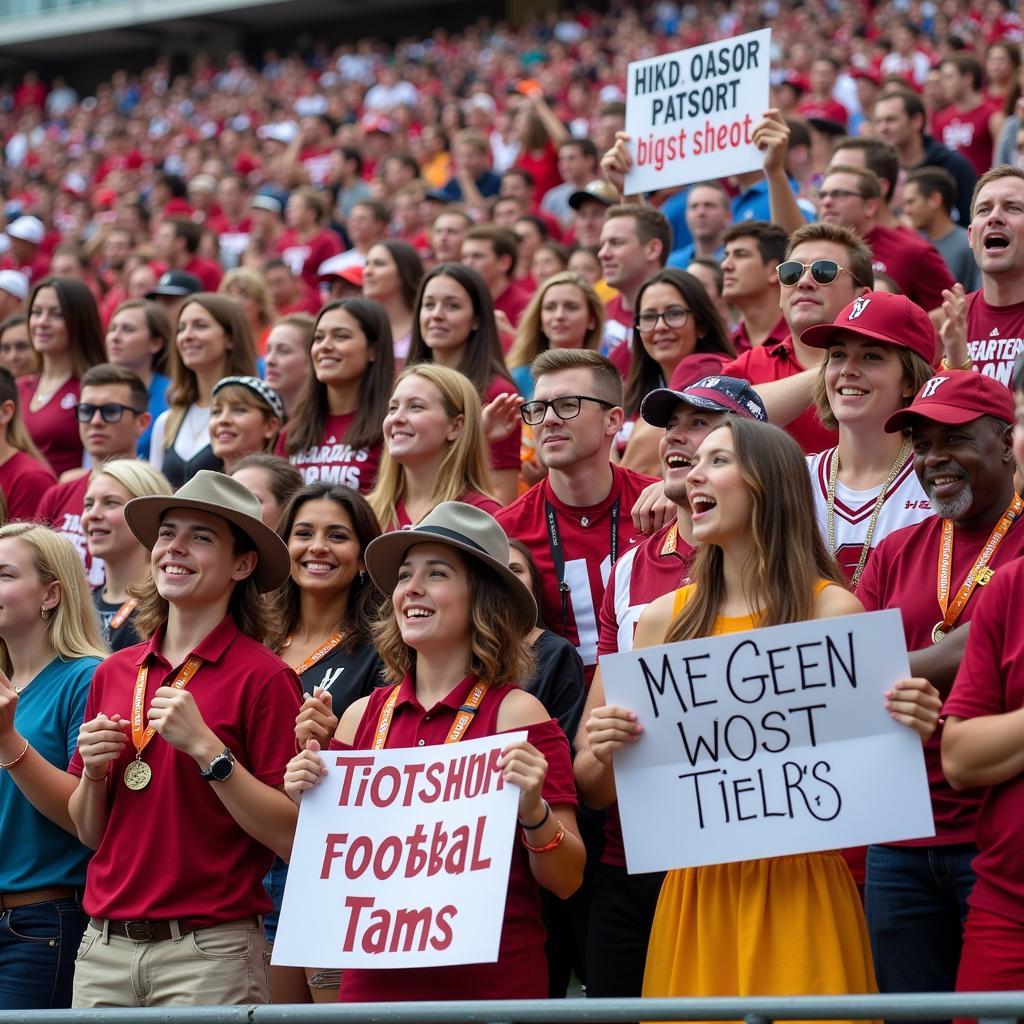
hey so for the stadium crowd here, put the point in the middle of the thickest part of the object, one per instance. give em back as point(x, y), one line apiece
point(346, 401)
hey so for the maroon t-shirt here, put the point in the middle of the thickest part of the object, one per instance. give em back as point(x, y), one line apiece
point(991, 682)
point(902, 573)
point(54, 427)
point(777, 362)
point(995, 336)
point(514, 300)
point(304, 258)
point(474, 498)
point(212, 870)
point(209, 272)
point(741, 339)
point(23, 481)
point(334, 460)
point(914, 264)
point(61, 507)
point(968, 133)
point(521, 970)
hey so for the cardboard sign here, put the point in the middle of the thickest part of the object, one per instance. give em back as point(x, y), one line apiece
point(691, 114)
point(765, 743)
point(401, 859)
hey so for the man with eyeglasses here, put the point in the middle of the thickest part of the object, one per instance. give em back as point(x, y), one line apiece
point(577, 521)
point(826, 268)
point(112, 415)
point(850, 196)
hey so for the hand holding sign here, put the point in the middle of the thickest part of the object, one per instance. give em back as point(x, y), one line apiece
point(916, 704)
point(609, 728)
point(615, 164)
point(771, 136)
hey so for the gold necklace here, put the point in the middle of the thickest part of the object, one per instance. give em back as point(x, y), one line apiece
point(833, 476)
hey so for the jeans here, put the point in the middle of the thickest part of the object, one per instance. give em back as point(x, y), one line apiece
point(273, 883)
point(37, 954)
point(916, 902)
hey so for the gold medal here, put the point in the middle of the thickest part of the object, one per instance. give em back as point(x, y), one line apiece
point(137, 775)
point(937, 632)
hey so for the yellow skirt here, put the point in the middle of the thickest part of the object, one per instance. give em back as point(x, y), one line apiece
point(783, 926)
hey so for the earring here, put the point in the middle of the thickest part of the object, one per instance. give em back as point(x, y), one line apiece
point(44, 613)
point(362, 576)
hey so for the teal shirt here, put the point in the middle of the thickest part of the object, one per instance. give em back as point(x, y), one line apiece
point(38, 854)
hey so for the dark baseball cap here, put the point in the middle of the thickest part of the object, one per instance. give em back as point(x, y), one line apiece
point(956, 397)
point(175, 283)
point(599, 190)
point(715, 394)
point(880, 316)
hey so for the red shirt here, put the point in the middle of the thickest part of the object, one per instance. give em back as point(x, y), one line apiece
point(521, 968)
point(209, 272)
point(776, 362)
point(618, 323)
point(968, 133)
point(35, 270)
point(543, 167)
point(23, 481)
point(304, 257)
point(61, 507)
point(991, 682)
point(585, 537)
point(334, 460)
point(914, 264)
point(995, 336)
point(513, 301)
point(505, 453)
point(54, 428)
point(901, 573)
point(645, 572)
point(173, 850)
point(741, 339)
point(474, 498)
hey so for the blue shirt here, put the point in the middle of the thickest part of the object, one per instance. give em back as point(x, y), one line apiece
point(753, 203)
point(157, 404)
point(488, 184)
point(523, 379)
point(674, 209)
point(682, 258)
point(39, 854)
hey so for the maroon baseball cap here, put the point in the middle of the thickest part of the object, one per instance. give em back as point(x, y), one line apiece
point(880, 316)
point(955, 397)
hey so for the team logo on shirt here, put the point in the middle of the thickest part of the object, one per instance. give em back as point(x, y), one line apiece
point(68, 402)
point(859, 305)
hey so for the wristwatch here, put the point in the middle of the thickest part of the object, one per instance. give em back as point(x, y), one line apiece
point(220, 768)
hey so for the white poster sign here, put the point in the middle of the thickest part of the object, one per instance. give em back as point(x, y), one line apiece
point(691, 114)
point(766, 743)
point(401, 859)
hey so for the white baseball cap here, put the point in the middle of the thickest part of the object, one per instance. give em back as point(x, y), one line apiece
point(14, 284)
point(28, 229)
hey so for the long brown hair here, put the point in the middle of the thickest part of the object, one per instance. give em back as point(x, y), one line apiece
point(500, 651)
point(306, 428)
point(363, 598)
point(239, 359)
point(81, 320)
point(790, 556)
point(16, 433)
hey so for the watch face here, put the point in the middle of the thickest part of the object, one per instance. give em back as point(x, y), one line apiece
point(220, 767)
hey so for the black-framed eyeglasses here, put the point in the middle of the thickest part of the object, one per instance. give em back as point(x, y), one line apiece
point(823, 272)
point(674, 316)
point(110, 412)
point(840, 193)
point(566, 407)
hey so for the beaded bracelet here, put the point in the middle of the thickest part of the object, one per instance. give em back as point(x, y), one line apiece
point(533, 828)
point(14, 764)
point(552, 844)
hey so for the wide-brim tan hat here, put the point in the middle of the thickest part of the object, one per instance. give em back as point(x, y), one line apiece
point(465, 527)
point(222, 496)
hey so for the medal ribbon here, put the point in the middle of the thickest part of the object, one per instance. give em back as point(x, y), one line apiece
point(141, 737)
point(951, 612)
point(462, 722)
point(319, 654)
point(123, 612)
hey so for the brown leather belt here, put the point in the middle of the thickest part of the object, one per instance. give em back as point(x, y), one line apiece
point(10, 900)
point(159, 931)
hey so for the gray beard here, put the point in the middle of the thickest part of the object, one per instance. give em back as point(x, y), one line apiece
point(954, 509)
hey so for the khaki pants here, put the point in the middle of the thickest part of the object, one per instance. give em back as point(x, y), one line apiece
point(220, 966)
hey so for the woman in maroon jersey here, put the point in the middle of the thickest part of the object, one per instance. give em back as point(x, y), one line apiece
point(454, 634)
point(454, 325)
point(21, 462)
point(64, 327)
point(335, 434)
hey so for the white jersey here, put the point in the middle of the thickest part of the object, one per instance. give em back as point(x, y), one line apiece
point(905, 504)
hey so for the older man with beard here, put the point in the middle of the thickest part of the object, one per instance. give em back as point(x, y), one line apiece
point(960, 428)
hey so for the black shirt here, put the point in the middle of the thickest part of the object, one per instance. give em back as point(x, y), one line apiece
point(124, 635)
point(558, 682)
point(349, 675)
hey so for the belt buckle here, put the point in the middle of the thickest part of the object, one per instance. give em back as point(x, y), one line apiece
point(139, 931)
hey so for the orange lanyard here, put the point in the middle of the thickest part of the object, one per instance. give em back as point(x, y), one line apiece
point(980, 573)
point(123, 612)
point(455, 733)
point(319, 654)
point(141, 737)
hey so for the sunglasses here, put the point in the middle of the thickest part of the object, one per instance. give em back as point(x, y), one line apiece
point(110, 412)
point(823, 272)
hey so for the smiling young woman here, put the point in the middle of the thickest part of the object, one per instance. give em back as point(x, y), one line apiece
point(245, 417)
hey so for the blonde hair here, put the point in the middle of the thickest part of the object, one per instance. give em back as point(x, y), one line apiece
point(465, 465)
point(73, 628)
point(252, 285)
point(530, 338)
point(137, 477)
